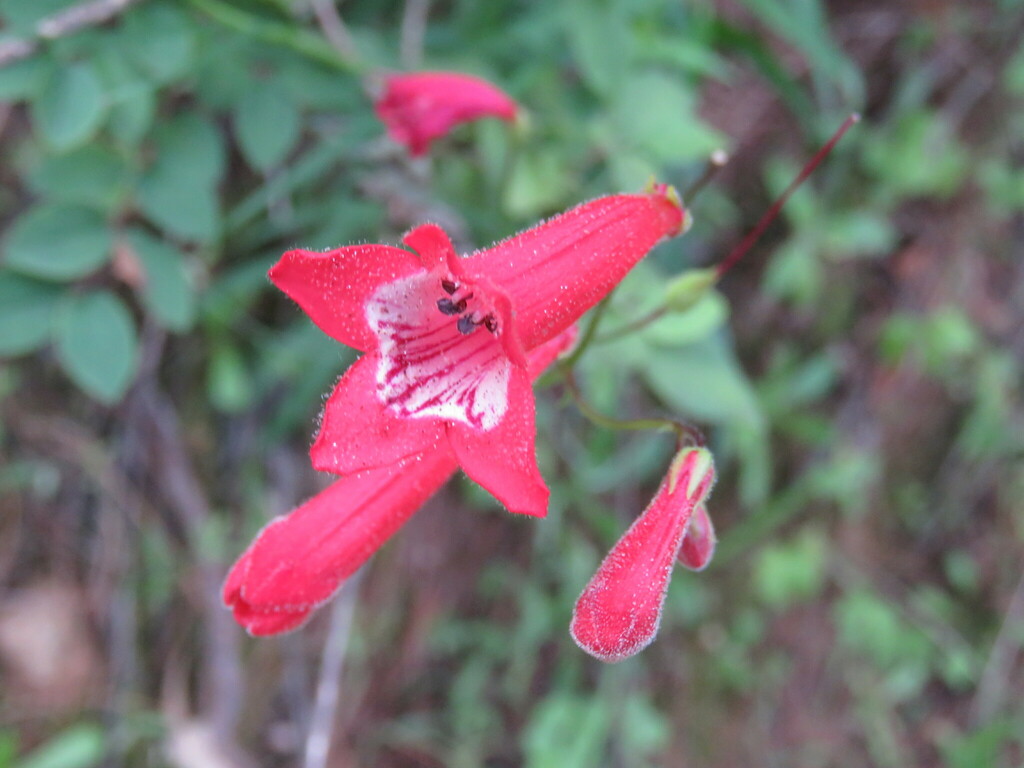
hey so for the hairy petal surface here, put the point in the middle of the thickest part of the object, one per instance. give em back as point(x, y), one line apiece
point(359, 431)
point(556, 271)
point(298, 562)
point(333, 287)
point(503, 460)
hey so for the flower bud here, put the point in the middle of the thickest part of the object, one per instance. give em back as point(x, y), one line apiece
point(620, 609)
point(686, 290)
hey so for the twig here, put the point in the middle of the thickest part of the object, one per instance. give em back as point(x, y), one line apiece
point(994, 678)
point(301, 41)
point(61, 24)
point(184, 495)
point(414, 27)
point(334, 28)
point(318, 742)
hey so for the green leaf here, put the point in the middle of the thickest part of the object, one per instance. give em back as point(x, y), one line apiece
point(178, 192)
point(653, 112)
point(79, 746)
point(592, 33)
point(193, 146)
point(132, 115)
point(92, 175)
point(21, 79)
point(565, 731)
point(678, 329)
point(26, 313)
point(791, 572)
point(160, 40)
point(71, 106)
point(228, 381)
point(538, 184)
point(58, 242)
point(180, 207)
point(267, 124)
point(703, 380)
point(167, 291)
point(97, 345)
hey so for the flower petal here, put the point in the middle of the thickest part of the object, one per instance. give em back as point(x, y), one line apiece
point(558, 270)
point(298, 562)
point(541, 357)
point(434, 248)
point(359, 431)
point(503, 459)
point(333, 287)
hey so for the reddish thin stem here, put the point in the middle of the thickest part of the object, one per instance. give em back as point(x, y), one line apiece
point(741, 250)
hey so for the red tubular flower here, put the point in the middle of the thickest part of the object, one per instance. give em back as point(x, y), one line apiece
point(420, 107)
point(298, 561)
point(620, 609)
point(445, 337)
point(699, 543)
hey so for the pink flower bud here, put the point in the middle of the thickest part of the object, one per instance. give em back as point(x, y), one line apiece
point(620, 609)
point(419, 107)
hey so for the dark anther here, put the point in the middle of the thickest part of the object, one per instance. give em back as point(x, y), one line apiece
point(491, 323)
point(466, 324)
point(449, 287)
point(449, 307)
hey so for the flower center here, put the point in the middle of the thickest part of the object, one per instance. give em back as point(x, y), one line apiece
point(434, 361)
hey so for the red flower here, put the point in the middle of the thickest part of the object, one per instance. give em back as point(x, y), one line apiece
point(420, 107)
point(298, 561)
point(620, 609)
point(445, 368)
point(445, 382)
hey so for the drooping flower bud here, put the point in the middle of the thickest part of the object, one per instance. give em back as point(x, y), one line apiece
point(419, 107)
point(619, 612)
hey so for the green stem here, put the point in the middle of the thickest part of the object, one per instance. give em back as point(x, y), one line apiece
point(635, 325)
point(588, 336)
point(299, 40)
point(685, 433)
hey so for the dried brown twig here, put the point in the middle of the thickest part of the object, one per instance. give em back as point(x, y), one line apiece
point(61, 24)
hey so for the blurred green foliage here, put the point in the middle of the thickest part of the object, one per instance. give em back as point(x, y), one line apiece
point(861, 389)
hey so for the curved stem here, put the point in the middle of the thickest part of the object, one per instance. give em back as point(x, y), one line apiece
point(588, 336)
point(299, 40)
point(686, 434)
point(635, 325)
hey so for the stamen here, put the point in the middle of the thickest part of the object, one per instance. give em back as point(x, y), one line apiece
point(449, 287)
point(491, 323)
point(449, 307)
point(466, 324)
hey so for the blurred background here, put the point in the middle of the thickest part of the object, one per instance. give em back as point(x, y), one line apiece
point(858, 376)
